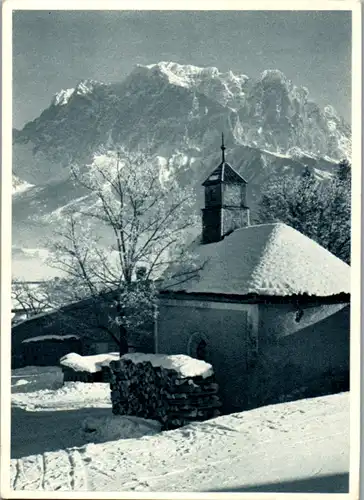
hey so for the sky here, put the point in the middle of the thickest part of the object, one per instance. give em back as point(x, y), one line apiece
point(53, 50)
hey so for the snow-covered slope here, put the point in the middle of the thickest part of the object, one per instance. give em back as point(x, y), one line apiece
point(64, 437)
point(301, 446)
point(178, 112)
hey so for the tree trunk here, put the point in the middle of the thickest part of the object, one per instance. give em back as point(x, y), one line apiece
point(123, 334)
point(123, 340)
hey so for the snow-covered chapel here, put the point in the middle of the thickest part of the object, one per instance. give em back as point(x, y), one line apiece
point(269, 307)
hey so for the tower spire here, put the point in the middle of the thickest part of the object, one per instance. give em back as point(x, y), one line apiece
point(223, 147)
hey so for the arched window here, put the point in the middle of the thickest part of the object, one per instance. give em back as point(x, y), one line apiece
point(201, 350)
point(197, 346)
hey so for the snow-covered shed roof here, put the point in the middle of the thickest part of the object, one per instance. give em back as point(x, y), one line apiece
point(266, 259)
point(40, 338)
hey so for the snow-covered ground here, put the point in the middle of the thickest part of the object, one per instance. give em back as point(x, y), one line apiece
point(38, 388)
point(73, 442)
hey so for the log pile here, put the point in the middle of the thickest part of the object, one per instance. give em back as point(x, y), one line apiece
point(147, 391)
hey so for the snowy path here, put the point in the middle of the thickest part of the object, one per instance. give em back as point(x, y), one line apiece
point(297, 443)
point(34, 432)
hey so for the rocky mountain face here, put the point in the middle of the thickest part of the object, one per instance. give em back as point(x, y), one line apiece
point(178, 113)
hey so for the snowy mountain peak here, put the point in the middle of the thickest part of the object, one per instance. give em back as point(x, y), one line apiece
point(88, 86)
point(181, 70)
point(174, 108)
point(62, 97)
point(188, 75)
point(84, 87)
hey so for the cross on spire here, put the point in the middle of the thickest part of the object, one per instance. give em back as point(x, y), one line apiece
point(223, 147)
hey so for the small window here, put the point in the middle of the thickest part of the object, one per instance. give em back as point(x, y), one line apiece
point(212, 195)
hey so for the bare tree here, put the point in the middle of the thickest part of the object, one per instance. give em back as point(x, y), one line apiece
point(27, 298)
point(33, 298)
point(133, 224)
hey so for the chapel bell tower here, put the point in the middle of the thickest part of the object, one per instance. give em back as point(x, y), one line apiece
point(225, 202)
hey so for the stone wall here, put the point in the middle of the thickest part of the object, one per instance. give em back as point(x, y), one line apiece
point(312, 361)
point(280, 320)
point(226, 328)
point(262, 353)
point(154, 392)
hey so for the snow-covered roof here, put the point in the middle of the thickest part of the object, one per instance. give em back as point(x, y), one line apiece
point(35, 317)
point(266, 259)
point(184, 365)
point(50, 337)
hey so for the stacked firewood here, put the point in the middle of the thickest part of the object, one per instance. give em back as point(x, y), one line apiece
point(162, 394)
